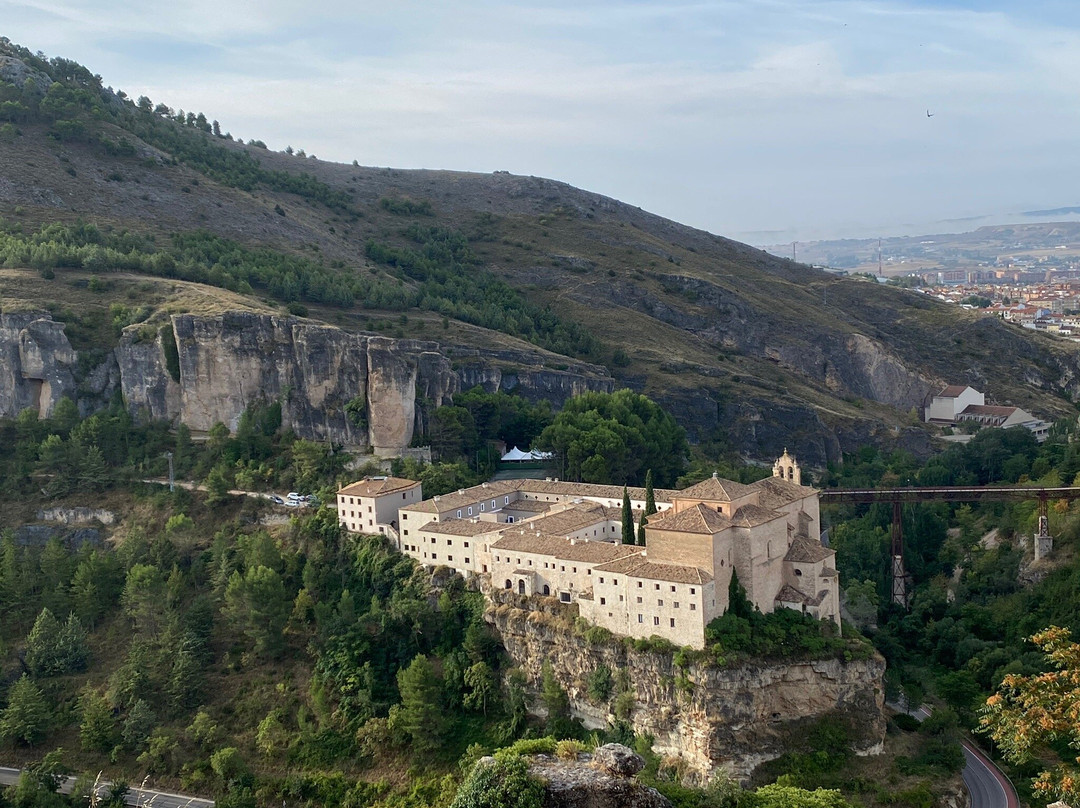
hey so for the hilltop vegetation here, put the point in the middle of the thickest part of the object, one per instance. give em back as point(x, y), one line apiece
point(727, 338)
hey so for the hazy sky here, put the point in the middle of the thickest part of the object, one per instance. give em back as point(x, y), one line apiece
point(765, 121)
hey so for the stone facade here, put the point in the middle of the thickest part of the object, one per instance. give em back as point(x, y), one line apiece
point(563, 540)
point(372, 504)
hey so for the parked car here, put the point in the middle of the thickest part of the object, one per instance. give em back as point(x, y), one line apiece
point(276, 499)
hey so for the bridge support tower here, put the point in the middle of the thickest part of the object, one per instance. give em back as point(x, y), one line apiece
point(899, 574)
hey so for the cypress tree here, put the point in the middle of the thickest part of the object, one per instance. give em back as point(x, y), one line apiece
point(650, 499)
point(641, 531)
point(738, 603)
point(627, 518)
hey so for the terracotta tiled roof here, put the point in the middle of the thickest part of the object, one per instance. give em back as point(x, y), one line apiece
point(752, 515)
point(528, 505)
point(466, 497)
point(640, 567)
point(715, 489)
point(774, 492)
point(806, 550)
point(987, 409)
point(464, 527)
point(789, 594)
point(576, 517)
point(597, 552)
point(952, 391)
point(377, 486)
point(697, 519)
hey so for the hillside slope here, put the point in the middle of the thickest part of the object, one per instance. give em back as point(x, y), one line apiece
point(746, 349)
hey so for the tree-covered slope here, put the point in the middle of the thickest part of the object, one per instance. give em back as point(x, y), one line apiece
point(747, 350)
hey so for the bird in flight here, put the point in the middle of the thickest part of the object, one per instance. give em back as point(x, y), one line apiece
point(929, 114)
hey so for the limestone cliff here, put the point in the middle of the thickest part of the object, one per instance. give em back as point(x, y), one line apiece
point(223, 363)
point(734, 718)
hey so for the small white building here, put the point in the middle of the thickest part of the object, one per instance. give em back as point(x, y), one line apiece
point(951, 401)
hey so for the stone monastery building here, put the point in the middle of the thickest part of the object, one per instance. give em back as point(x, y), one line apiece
point(563, 540)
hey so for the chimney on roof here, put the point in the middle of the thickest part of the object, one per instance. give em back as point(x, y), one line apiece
point(437, 497)
point(573, 542)
point(714, 475)
point(485, 485)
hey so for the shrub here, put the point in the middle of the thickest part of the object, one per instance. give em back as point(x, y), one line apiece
point(569, 749)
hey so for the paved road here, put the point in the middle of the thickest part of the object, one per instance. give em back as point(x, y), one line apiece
point(985, 782)
point(135, 796)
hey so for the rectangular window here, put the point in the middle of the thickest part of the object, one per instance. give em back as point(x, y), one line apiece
point(492, 504)
point(639, 584)
point(693, 607)
point(470, 510)
point(433, 556)
point(406, 533)
point(601, 579)
point(656, 621)
point(459, 514)
point(657, 587)
point(449, 558)
point(659, 603)
point(673, 622)
point(575, 569)
point(693, 591)
point(562, 569)
point(404, 516)
point(639, 599)
point(466, 545)
point(603, 601)
point(564, 597)
point(672, 589)
point(369, 509)
point(450, 542)
point(506, 500)
point(620, 598)
point(614, 581)
point(641, 618)
point(675, 604)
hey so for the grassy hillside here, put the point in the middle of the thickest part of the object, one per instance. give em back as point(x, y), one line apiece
point(748, 350)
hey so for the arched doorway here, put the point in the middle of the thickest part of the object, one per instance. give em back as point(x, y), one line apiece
point(508, 584)
point(521, 586)
point(547, 589)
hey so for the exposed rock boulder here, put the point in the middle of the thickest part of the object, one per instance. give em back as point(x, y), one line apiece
point(614, 758)
point(589, 783)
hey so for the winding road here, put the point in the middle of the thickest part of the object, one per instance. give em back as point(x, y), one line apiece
point(135, 796)
point(986, 783)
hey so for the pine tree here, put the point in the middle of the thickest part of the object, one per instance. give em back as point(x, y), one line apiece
point(557, 704)
point(641, 531)
point(627, 518)
point(93, 470)
point(421, 715)
point(650, 497)
point(26, 717)
point(97, 729)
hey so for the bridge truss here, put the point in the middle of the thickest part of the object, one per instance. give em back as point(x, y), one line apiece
point(900, 496)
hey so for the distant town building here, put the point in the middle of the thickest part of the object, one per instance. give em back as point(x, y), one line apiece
point(959, 403)
point(371, 505)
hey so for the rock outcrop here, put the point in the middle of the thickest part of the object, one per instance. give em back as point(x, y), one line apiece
point(200, 370)
point(601, 780)
point(37, 363)
point(731, 718)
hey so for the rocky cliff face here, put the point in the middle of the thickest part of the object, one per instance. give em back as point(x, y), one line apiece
point(37, 363)
point(731, 718)
point(223, 363)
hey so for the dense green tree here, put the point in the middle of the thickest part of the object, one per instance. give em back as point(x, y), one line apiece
point(138, 725)
point(557, 704)
point(26, 718)
point(53, 648)
point(641, 530)
point(615, 438)
point(421, 716)
point(97, 727)
point(259, 606)
point(480, 680)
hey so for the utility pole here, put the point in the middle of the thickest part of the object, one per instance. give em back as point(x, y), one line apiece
point(172, 478)
point(879, 272)
point(793, 251)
